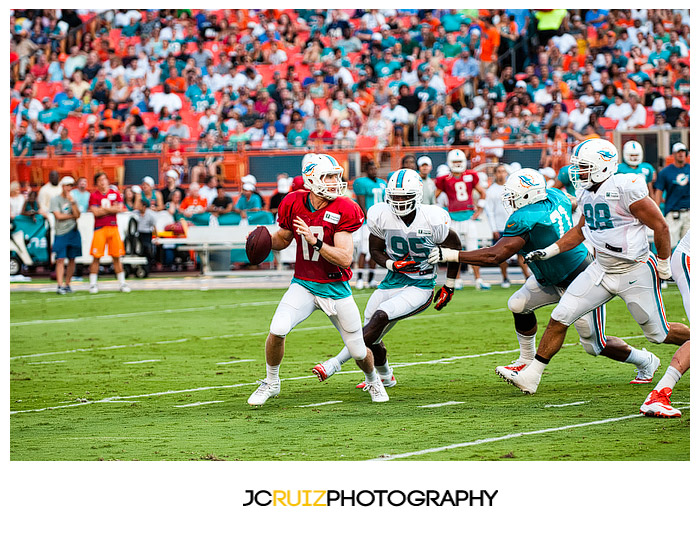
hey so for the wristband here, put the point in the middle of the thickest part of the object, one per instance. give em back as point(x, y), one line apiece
point(318, 245)
point(389, 265)
point(552, 250)
point(450, 283)
point(481, 203)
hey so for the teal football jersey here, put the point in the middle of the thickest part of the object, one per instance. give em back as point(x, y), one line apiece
point(542, 224)
point(372, 190)
point(642, 169)
point(563, 177)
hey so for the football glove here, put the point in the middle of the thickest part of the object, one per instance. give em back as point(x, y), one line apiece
point(664, 268)
point(440, 254)
point(443, 297)
point(403, 265)
point(542, 254)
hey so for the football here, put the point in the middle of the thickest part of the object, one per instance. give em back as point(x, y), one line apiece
point(258, 245)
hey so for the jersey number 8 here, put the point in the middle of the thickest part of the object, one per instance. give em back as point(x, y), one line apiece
point(597, 216)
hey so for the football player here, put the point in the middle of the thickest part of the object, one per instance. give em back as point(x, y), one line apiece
point(322, 221)
point(658, 403)
point(539, 216)
point(633, 162)
point(458, 185)
point(616, 209)
point(403, 231)
point(369, 190)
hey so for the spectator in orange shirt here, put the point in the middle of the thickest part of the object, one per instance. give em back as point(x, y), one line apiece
point(490, 40)
point(109, 121)
point(176, 82)
point(193, 203)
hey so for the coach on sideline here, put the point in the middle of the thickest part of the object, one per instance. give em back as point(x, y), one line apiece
point(674, 181)
point(67, 244)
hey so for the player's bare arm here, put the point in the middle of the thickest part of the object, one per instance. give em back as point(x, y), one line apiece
point(494, 255)
point(281, 239)
point(646, 211)
point(339, 254)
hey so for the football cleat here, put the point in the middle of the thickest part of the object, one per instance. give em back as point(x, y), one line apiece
point(377, 391)
point(93, 289)
point(124, 288)
point(324, 370)
point(373, 284)
point(60, 290)
point(646, 374)
point(459, 285)
point(67, 289)
point(360, 284)
point(525, 379)
point(387, 381)
point(515, 366)
point(505, 284)
point(265, 391)
point(658, 404)
point(480, 285)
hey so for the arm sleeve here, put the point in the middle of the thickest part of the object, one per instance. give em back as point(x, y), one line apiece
point(284, 219)
point(659, 184)
point(351, 218)
point(373, 221)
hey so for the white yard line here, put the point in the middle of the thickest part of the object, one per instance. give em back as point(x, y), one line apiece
point(235, 362)
point(505, 437)
point(564, 405)
point(450, 403)
point(143, 361)
point(199, 404)
point(320, 404)
point(63, 299)
point(229, 336)
point(46, 362)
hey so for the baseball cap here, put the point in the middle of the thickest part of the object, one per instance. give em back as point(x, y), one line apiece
point(679, 147)
point(68, 180)
point(521, 83)
point(249, 187)
point(148, 180)
point(283, 186)
point(172, 173)
point(136, 189)
point(425, 160)
point(249, 179)
point(548, 172)
point(345, 123)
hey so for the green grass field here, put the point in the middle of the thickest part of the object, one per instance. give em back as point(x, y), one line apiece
point(165, 375)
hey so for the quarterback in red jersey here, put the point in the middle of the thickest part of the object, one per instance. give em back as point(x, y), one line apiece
point(322, 221)
point(459, 186)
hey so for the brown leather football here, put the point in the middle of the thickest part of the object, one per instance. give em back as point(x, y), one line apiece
point(258, 245)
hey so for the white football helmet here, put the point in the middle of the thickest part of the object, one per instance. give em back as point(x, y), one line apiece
point(524, 187)
point(632, 153)
point(457, 161)
point(323, 175)
point(404, 191)
point(592, 162)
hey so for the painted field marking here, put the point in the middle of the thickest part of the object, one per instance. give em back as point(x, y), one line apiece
point(388, 457)
point(230, 335)
point(195, 389)
point(63, 299)
point(199, 404)
point(569, 404)
point(450, 403)
point(320, 404)
point(46, 362)
point(144, 313)
point(139, 362)
point(234, 362)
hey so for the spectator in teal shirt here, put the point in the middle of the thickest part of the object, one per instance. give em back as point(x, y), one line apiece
point(431, 134)
point(248, 202)
point(63, 143)
point(452, 21)
point(22, 144)
point(298, 136)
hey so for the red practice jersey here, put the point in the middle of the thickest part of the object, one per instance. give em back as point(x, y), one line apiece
point(97, 199)
point(458, 190)
point(341, 214)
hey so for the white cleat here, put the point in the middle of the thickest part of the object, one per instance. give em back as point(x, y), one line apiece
point(93, 289)
point(377, 391)
point(265, 391)
point(373, 284)
point(646, 374)
point(480, 285)
point(515, 366)
point(505, 284)
point(658, 404)
point(387, 381)
point(324, 370)
point(459, 285)
point(360, 284)
point(125, 288)
point(526, 379)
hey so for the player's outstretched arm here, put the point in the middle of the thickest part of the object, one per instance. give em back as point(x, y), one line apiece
point(572, 238)
point(646, 211)
point(281, 239)
point(494, 255)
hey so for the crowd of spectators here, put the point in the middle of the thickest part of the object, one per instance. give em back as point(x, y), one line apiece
point(211, 81)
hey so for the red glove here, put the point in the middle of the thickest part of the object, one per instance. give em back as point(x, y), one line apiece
point(405, 266)
point(443, 297)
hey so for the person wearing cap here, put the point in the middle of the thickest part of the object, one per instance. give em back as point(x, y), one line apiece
point(221, 203)
point(150, 197)
point(179, 129)
point(284, 183)
point(172, 178)
point(425, 166)
point(22, 145)
point(673, 189)
point(248, 202)
point(298, 136)
point(345, 138)
point(105, 204)
point(67, 243)
point(431, 134)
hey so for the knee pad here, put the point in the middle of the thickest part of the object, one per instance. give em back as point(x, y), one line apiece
point(281, 324)
point(517, 303)
point(356, 346)
point(589, 346)
point(562, 314)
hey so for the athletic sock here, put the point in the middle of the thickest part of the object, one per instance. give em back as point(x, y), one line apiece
point(638, 358)
point(383, 370)
point(273, 373)
point(669, 379)
point(359, 273)
point(370, 276)
point(342, 358)
point(371, 377)
point(538, 364)
point(93, 279)
point(527, 347)
point(121, 277)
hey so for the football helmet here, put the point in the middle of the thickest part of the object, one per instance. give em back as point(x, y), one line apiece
point(632, 153)
point(524, 187)
point(323, 175)
point(404, 191)
point(457, 161)
point(592, 162)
